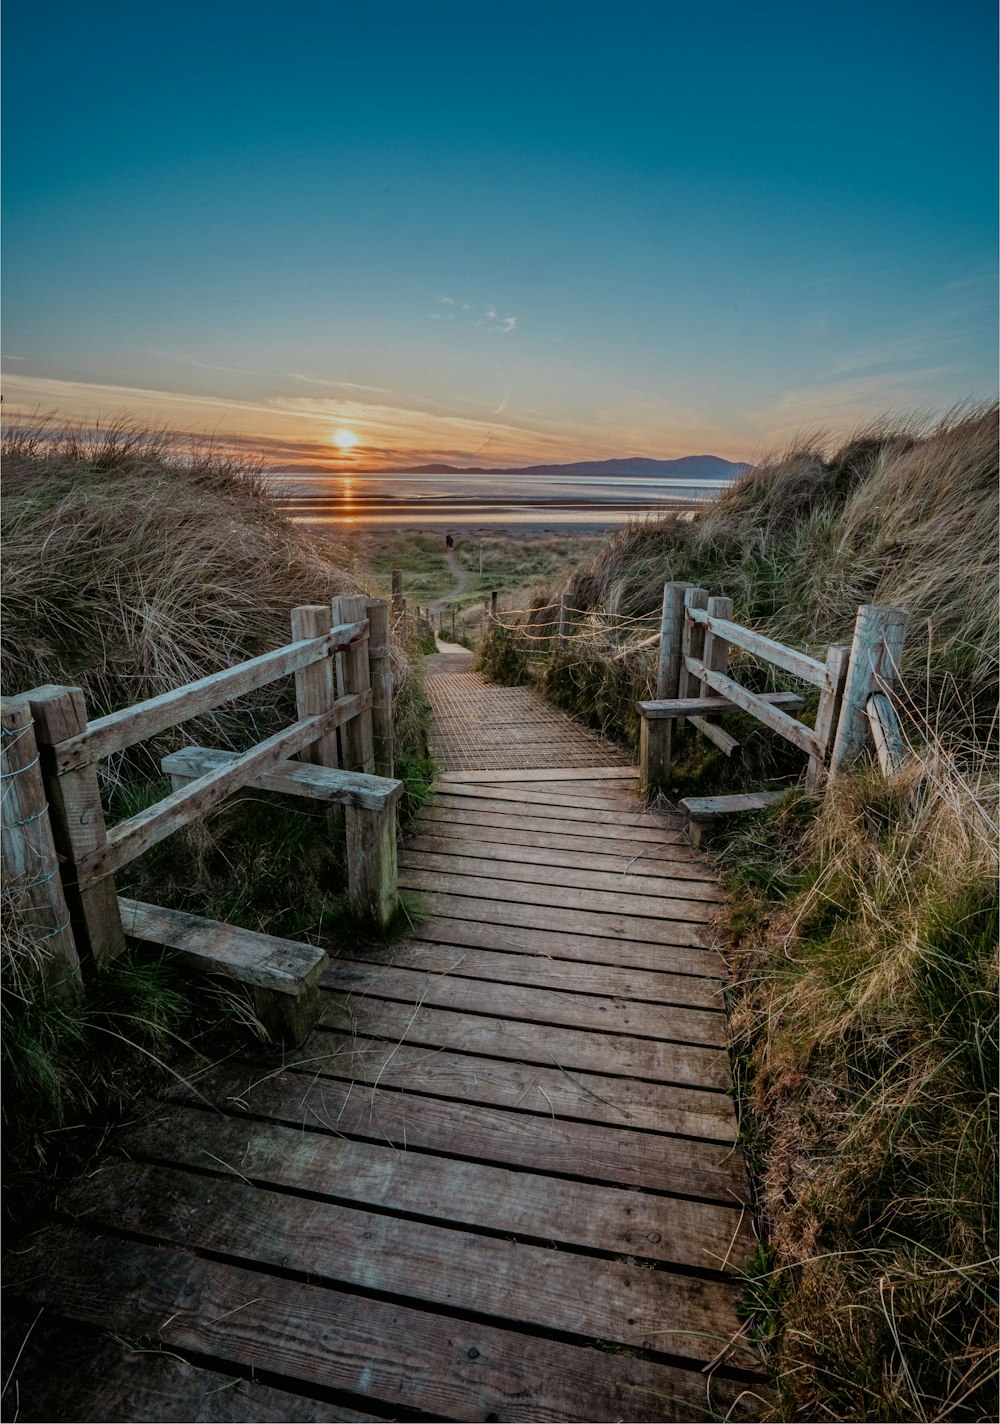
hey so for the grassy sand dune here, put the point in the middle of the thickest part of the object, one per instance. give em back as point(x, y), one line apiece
point(863, 934)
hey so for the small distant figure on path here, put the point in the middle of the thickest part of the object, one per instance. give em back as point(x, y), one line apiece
point(449, 542)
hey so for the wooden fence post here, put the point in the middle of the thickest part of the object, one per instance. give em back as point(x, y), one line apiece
point(372, 873)
point(563, 621)
point(453, 620)
point(78, 826)
point(356, 737)
point(671, 631)
point(876, 655)
point(380, 666)
point(828, 713)
point(398, 601)
point(655, 741)
point(493, 604)
point(316, 685)
point(692, 641)
point(716, 650)
point(31, 877)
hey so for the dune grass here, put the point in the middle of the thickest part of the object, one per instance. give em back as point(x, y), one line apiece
point(134, 564)
point(863, 926)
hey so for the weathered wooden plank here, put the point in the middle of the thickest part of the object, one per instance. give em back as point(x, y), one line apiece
point(380, 667)
point(676, 707)
point(78, 826)
point(876, 655)
point(668, 663)
point(595, 1152)
point(526, 939)
point(145, 719)
point(31, 880)
point(102, 1378)
point(285, 965)
point(524, 892)
point(520, 1087)
point(573, 834)
point(537, 848)
point(404, 1358)
point(525, 1041)
point(139, 833)
point(625, 811)
point(547, 971)
point(799, 665)
point(487, 867)
point(580, 922)
point(886, 732)
point(357, 738)
point(761, 707)
point(530, 1285)
point(564, 773)
point(707, 808)
point(609, 1219)
point(372, 870)
point(692, 640)
point(828, 712)
point(554, 1006)
point(316, 782)
point(315, 685)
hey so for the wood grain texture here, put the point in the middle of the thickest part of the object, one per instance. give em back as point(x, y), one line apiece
point(145, 719)
point(566, 773)
point(525, 892)
point(545, 971)
point(496, 815)
point(315, 782)
point(595, 1152)
point(764, 709)
point(690, 707)
point(527, 1041)
point(590, 1296)
point(379, 1350)
point(611, 925)
point(540, 849)
point(554, 1006)
point(521, 1087)
point(108, 1379)
point(799, 665)
point(698, 962)
point(608, 1219)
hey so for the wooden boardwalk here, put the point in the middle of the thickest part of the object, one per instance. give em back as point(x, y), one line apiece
point(498, 1183)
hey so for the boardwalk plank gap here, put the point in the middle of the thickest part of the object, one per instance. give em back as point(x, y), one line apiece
point(499, 1180)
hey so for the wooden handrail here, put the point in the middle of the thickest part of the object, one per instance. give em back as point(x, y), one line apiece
point(123, 729)
point(139, 833)
point(800, 665)
point(795, 732)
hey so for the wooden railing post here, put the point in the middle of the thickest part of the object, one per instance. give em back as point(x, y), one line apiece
point(372, 873)
point(563, 622)
point(31, 879)
point(716, 649)
point(671, 632)
point(876, 655)
point(493, 604)
point(78, 825)
point(356, 738)
point(316, 685)
point(828, 713)
point(655, 738)
point(380, 666)
point(398, 601)
point(692, 641)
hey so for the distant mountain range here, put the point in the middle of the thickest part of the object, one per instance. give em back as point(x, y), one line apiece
point(688, 467)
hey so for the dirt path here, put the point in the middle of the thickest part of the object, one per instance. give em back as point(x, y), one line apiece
point(461, 577)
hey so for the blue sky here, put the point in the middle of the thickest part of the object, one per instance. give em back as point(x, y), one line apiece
point(499, 232)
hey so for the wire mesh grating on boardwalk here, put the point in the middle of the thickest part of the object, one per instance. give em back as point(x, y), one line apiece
point(479, 727)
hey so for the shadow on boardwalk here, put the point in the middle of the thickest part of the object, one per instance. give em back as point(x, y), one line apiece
point(499, 1181)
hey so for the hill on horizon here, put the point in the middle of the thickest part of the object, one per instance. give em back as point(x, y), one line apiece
point(697, 467)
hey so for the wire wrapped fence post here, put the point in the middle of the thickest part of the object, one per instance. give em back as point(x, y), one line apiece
point(30, 865)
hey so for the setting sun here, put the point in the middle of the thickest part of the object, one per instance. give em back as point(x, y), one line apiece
point(344, 439)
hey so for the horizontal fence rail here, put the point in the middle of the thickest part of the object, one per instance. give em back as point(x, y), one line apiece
point(693, 683)
point(343, 702)
point(798, 664)
point(125, 728)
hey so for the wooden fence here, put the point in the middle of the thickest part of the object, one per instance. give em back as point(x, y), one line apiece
point(60, 857)
point(693, 681)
